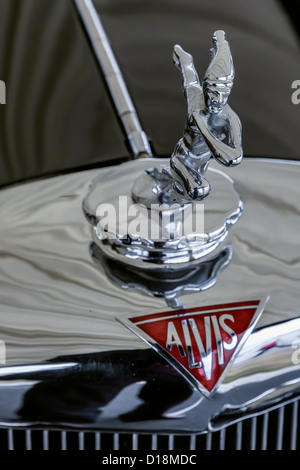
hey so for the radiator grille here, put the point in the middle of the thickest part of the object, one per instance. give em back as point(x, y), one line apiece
point(275, 430)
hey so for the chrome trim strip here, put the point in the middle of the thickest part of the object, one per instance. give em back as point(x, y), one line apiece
point(137, 139)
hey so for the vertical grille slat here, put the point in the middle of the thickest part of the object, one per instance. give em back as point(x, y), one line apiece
point(28, 439)
point(280, 428)
point(45, 440)
point(239, 435)
point(171, 442)
point(116, 441)
point(97, 441)
point(135, 442)
point(265, 431)
point(222, 439)
point(63, 440)
point(294, 426)
point(253, 434)
point(208, 441)
point(275, 429)
point(154, 442)
point(81, 441)
point(10, 439)
point(192, 442)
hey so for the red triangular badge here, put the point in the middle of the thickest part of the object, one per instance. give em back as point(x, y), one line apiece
point(201, 342)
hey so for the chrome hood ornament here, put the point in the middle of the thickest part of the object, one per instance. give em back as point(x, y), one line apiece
point(212, 129)
point(163, 220)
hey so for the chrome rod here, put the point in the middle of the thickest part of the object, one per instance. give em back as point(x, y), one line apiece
point(136, 137)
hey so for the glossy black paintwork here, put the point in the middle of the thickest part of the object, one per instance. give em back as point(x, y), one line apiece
point(81, 393)
point(58, 116)
point(124, 390)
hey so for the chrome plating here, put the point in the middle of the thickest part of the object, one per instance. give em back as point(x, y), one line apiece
point(221, 211)
point(212, 129)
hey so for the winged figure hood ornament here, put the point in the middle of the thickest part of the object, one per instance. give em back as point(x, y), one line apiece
point(174, 189)
point(213, 129)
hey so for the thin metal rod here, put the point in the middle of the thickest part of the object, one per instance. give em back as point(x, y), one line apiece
point(136, 137)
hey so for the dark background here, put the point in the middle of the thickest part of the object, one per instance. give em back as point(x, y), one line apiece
point(58, 117)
